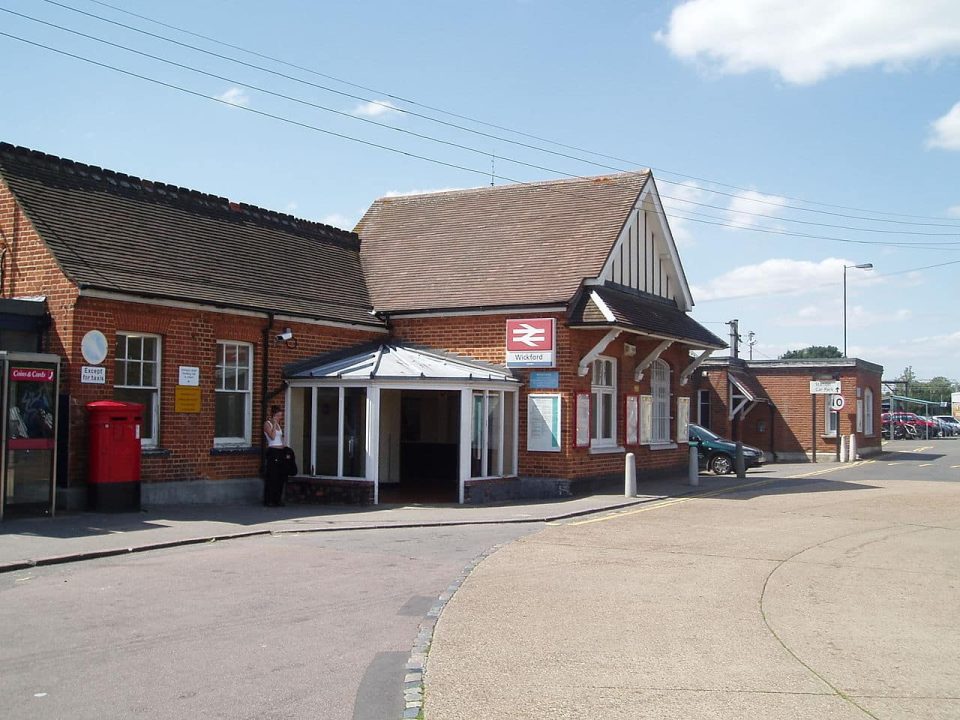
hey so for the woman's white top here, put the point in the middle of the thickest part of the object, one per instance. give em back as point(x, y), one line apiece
point(277, 440)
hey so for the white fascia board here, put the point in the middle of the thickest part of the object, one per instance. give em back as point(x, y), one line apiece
point(650, 192)
point(517, 310)
point(602, 307)
point(123, 297)
point(425, 384)
point(634, 331)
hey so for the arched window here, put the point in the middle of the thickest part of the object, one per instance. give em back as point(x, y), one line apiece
point(660, 390)
point(603, 403)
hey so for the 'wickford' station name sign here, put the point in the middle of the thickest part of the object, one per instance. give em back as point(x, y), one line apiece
point(531, 342)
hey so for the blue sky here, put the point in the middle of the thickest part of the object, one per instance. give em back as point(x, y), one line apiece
point(754, 114)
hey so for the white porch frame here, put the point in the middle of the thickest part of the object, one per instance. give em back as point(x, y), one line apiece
point(374, 389)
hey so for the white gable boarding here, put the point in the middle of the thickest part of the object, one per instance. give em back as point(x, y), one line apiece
point(645, 256)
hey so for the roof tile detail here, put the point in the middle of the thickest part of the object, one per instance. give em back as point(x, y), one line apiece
point(642, 312)
point(117, 233)
point(525, 244)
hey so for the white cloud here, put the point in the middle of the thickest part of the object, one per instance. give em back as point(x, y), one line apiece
point(954, 211)
point(375, 108)
point(340, 221)
point(929, 351)
point(777, 276)
point(678, 198)
point(945, 131)
point(805, 42)
point(857, 316)
point(751, 201)
point(234, 96)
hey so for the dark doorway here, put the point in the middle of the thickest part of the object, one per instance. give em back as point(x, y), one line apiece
point(419, 446)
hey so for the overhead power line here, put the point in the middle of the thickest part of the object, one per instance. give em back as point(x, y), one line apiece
point(777, 203)
point(793, 291)
point(709, 219)
point(381, 146)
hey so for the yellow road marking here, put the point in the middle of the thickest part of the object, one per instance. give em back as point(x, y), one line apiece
point(712, 493)
point(840, 466)
point(924, 464)
point(954, 466)
point(921, 449)
point(674, 501)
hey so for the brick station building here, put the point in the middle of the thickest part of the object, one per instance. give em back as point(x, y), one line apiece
point(483, 344)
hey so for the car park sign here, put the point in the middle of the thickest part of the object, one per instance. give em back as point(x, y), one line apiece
point(824, 387)
point(531, 342)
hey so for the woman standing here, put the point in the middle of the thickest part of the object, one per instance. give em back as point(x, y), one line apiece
point(276, 473)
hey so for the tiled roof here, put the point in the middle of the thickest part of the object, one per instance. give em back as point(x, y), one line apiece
point(501, 246)
point(115, 232)
point(749, 386)
point(641, 311)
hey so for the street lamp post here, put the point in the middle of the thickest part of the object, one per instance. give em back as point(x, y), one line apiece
point(861, 266)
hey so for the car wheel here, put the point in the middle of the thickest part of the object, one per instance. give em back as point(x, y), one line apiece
point(721, 464)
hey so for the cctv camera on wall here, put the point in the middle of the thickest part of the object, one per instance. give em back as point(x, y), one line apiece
point(285, 335)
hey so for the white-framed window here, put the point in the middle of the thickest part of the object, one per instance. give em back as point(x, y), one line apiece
point(492, 433)
point(334, 431)
point(660, 391)
point(233, 412)
point(603, 403)
point(830, 421)
point(137, 379)
point(868, 412)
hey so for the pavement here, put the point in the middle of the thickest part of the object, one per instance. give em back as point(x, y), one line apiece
point(76, 536)
point(830, 593)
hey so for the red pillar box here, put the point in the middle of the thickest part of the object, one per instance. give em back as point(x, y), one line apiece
point(113, 476)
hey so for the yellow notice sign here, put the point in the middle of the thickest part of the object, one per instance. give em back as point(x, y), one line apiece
point(186, 399)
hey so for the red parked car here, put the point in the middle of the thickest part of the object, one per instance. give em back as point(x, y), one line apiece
point(908, 425)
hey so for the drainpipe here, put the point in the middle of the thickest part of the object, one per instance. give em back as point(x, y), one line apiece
point(264, 379)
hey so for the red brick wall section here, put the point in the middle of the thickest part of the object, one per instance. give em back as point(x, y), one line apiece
point(484, 337)
point(188, 337)
point(29, 269)
point(789, 389)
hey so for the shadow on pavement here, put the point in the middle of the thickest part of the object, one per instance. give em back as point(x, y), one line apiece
point(793, 485)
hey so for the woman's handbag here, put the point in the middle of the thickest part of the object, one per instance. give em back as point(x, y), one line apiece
point(289, 462)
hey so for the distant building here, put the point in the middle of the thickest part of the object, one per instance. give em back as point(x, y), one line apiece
point(777, 411)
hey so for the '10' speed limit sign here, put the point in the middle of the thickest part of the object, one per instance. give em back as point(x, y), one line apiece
point(836, 403)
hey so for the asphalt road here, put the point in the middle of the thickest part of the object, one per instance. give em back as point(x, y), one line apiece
point(830, 593)
point(312, 626)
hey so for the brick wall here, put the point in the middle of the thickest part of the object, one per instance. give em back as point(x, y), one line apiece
point(484, 337)
point(188, 337)
point(792, 419)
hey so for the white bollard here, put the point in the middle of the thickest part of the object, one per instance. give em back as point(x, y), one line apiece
point(843, 448)
point(630, 476)
point(852, 450)
point(694, 467)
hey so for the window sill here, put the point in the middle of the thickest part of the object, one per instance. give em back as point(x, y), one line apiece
point(607, 450)
point(235, 450)
point(663, 446)
point(155, 452)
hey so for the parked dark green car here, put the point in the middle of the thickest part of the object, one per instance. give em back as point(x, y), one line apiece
point(716, 453)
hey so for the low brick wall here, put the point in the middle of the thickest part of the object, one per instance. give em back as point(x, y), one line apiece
point(321, 491)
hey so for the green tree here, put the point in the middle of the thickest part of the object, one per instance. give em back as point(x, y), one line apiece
point(814, 352)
